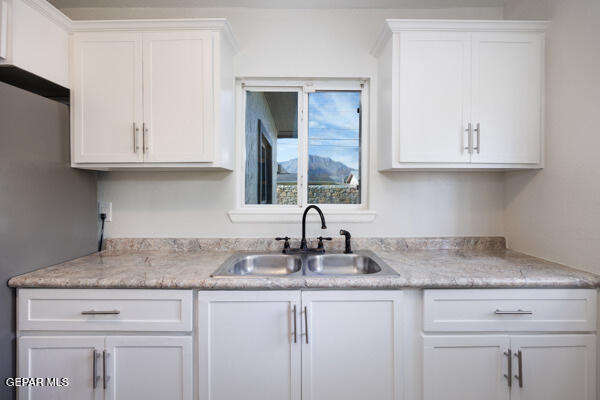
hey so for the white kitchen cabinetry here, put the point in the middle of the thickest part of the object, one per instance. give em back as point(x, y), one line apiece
point(465, 367)
point(178, 96)
point(555, 367)
point(149, 368)
point(34, 37)
point(541, 365)
point(351, 345)
point(460, 94)
point(250, 345)
point(76, 358)
point(107, 107)
point(152, 94)
point(137, 343)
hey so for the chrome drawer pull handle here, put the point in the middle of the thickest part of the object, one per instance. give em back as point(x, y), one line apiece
point(104, 377)
point(94, 312)
point(295, 334)
point(94, 369)
point(508, 376)
point(519, 377)
point(514, 312)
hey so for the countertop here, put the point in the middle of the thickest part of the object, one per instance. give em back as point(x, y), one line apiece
point(159, 267)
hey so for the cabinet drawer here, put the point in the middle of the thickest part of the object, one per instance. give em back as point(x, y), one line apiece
point(104, 310)
point(564, 310)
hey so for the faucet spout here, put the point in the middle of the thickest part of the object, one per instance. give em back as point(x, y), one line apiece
point(303, 245)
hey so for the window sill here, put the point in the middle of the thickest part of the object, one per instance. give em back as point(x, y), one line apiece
point(295, 216)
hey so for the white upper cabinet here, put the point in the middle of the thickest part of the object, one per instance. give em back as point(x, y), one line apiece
point(460, 94)
point(434, 100)
point(152, 94)
point(507, 77)
point(34, 37)
point(107, 97)
point(177, 96)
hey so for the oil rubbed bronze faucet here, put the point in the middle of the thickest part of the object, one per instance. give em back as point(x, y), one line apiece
point(323, 224)
point(303, 245)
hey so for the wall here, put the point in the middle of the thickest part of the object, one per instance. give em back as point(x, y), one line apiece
point(47, 209)
point(555, 213)
point(304, 43)
point(257, 109)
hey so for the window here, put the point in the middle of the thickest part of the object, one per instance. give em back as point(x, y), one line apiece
point(303, 144)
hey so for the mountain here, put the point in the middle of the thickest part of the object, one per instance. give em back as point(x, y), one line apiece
point(322, 169)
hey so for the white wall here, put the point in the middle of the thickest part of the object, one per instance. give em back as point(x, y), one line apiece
point(303, 43)
point(555, 213)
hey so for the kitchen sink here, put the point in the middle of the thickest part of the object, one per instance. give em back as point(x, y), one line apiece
point(244, 264)
point(360, 263)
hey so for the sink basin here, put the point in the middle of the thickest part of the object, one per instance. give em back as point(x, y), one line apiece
point(261, 265)
point(360, 263)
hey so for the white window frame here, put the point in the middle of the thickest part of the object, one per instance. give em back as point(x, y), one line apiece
point(289, 213)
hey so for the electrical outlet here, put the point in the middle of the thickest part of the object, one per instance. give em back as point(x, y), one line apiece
point(105, 207)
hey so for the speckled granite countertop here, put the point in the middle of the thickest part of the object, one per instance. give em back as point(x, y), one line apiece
point(420, 263)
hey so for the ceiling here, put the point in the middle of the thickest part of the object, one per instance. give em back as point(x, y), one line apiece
point(275, 4)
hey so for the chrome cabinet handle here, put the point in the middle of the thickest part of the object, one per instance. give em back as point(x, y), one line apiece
point(306, 323)
point(136, 130)
point(513, 312)
point(519, 377)
point(508, 376)
point(94, 369)
point(469, 131)
point(146, 144)
point(107, 312)
point(295, 331)
point(104, 377)
point(478, 130)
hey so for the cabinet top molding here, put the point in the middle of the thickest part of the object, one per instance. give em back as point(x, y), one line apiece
point(402, 25)
point(212, 24)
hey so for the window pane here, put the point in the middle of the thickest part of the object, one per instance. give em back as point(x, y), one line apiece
point(271, 148)
point(334, 147)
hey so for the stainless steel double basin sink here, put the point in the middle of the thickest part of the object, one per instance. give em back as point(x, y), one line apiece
point(359, 263)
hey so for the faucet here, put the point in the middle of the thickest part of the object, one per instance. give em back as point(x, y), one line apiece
point(303, 245)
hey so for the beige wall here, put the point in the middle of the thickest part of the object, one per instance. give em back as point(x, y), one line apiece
point(555, 213)
point(304, 43)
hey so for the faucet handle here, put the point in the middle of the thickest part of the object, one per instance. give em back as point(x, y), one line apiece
point(321, 238)
point(286, 245)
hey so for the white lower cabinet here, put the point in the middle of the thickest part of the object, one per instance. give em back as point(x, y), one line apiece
point(59, 357)
point(465, 367)
point(108, 367)
point(149, 368)
point(555, 367)
point(351, 345)
point(542, 367)
point(523, 359)
point(249, 345)
point(291, 345)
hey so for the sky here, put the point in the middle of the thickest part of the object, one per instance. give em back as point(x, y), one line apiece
point(333, 129)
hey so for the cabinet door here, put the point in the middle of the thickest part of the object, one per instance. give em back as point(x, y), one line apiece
point(107, 97)
point(149, 368)
point(465, 367)
point(555, 367)
point(61, 357)
point(249, 345)
point(508, 82)
point(351, 345)
point(177, 96)
point(434, 96)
